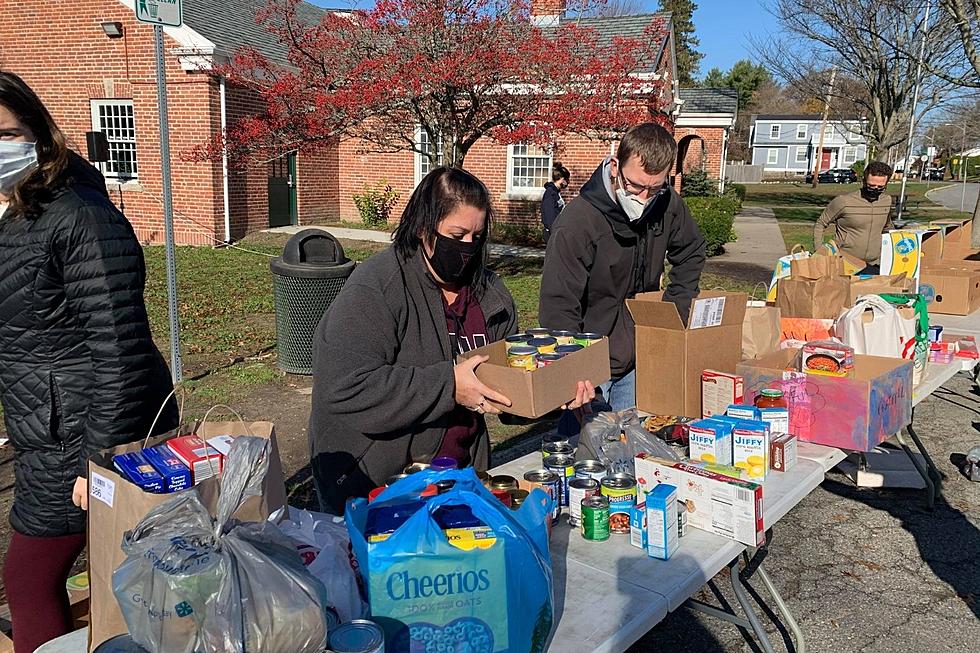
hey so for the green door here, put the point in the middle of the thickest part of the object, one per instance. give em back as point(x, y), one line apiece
point(282, 191)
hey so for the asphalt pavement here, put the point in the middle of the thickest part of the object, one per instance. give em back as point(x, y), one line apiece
point(954, 196)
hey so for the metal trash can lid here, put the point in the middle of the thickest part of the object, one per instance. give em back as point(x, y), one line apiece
point(312, 254)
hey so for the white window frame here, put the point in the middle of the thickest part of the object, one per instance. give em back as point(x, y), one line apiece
point(772, 156)
point(421, 161)
point(801, 154)
point(829, 132)
point(513, 188)
point(117, 142)
point(804, 130)
point(850, 154)
point(774, 132)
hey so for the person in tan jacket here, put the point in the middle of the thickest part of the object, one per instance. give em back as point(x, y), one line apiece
point(859, 218)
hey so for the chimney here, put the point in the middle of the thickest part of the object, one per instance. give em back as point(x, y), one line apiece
point(547, 13)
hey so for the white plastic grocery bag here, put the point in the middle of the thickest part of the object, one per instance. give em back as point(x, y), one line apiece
point(875, 328)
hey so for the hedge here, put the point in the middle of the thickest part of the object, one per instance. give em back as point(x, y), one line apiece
point(715, 216)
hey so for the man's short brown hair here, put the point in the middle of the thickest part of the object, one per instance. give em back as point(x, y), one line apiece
point(652, 143)
point(878, 169)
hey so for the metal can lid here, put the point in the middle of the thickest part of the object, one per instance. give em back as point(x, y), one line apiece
point(502, 481)
point(357, 636)
point(619, 481)
point(445, 485)
point(538, 331)
point(772, 392)
point(521, 350)
point(559, 460)
point(517, 337)
point(414, 468)
point(554, 448)
point(543, 341)
point(589, 466)
point(584, 483)
point(588, 336)
point(517, 497)
point(541, 476)
point(561, 333)
point(568, 349)
point(550, 358)
point(595, 501)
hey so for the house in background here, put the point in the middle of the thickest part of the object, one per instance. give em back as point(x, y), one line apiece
point(97, 78)
point(786, 145)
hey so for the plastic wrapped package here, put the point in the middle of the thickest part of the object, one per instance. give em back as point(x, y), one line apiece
point(194, 584)
point(615, 439)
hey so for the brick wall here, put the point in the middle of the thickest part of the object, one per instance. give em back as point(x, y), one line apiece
point(711, 139)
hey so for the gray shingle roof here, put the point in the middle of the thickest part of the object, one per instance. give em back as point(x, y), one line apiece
point(607, 27)
point(709, 100)
point(230, 24)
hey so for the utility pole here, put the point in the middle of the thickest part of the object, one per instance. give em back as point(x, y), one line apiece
point(823, 127)
point(915, 102)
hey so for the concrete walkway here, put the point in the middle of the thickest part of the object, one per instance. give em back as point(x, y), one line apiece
point(759, 245)
point(385, 237)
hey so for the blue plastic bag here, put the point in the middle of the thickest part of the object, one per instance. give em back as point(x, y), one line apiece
point(429, 595)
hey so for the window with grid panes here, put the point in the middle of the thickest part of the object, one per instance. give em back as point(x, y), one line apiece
point(114, 118)
point(423, 164)
point(530, 167)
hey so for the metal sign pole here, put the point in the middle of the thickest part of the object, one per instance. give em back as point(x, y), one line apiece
point(176, 368)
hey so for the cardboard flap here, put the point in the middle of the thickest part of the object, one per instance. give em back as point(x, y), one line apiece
point(649, 309)
point(735, 304)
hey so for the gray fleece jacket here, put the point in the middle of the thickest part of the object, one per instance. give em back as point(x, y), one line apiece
point(383, 384)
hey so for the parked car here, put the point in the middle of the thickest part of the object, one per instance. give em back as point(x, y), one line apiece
point(935, 174)
point(835, 176)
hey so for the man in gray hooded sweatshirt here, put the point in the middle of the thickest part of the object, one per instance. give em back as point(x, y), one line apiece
point(610, 243)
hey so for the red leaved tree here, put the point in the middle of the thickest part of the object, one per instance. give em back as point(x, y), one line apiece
point(458, 70)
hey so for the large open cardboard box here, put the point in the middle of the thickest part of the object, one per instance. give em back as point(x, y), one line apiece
point(855, 413)
point(671, 356)
point(537, 393)
point(956, 290)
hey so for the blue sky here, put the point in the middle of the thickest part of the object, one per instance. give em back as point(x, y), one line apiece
point(723, 26)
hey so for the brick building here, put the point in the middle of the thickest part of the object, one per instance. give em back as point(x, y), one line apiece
point(93, 67)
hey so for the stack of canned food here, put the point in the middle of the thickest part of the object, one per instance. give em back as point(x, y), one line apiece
point(541, 347)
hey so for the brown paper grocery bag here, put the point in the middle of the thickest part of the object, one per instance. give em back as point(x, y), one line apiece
point(760, 330)
point(115, 506)
point(817, 267)
point(895, 283)
point(822, 298)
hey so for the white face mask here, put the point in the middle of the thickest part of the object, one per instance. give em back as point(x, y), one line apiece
point(17, 161)
point(632, 205)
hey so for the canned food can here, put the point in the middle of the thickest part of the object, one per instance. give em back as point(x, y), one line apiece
point(549, 482)
point(620, 489)
point(544, 360)
point(590, 469)
point(595, 518)
point(545, 345)
point(586, 339)
point(394, 479)
point(516, 340)
point(564, 350)
point(415, 468)
point(503, 482)
point(556, 449)
point(445, 486)
point(579, 489)
point(556, 438)
point(357, 636)
point(681, 518)
point(563, 465)
point(563, 337)
point(522, 357)
point(538, 332)
point(517, 498)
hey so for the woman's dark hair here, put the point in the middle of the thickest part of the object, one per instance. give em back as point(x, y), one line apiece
point(440, 193)
point(52, 149)
point(559, 172)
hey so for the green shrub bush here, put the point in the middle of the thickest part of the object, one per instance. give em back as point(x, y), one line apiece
point(376, 203)
point(697, 184)
point(715, 216)
point(522, 235)
point(735, 190)
point(858, 168)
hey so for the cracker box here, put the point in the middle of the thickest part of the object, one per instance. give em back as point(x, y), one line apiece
point(715, 503)
point(718, 390)
point(782, 452)
point(711, 441)
point(203, 460)
point(638, 526)
point(137, 469)
point(742, 411)
point(176, 475)
point(662, 520)
point(750, 448)
point(776, 418)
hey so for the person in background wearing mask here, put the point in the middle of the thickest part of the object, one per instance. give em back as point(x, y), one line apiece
point(611, 244)
point(552, 202)
point(78, 368)
point(859, 218)
point(388, 389)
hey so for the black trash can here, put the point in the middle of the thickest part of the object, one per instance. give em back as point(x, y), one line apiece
point(306, 279)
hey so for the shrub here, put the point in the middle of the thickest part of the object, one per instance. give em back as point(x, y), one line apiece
point(715, 216)
point(735, 190)
point(375, 203)
point(523, 235)
point(697, 184)
point(858, 168)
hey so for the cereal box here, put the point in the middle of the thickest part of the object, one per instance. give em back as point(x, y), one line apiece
point(776, 418)
point(711, 441)
point(662, 521)
point(782, 451)
point(718, 390)
point(742, 411)
point(750, 448)
point(715, 503)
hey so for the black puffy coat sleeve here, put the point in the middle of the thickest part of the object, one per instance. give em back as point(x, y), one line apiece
point(686, 255)
point(104, 275)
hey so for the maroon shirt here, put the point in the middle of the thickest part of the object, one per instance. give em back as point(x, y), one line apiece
point(467, 330)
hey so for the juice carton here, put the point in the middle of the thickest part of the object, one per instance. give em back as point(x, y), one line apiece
point(638, 526)
point(750, 448)
point(743, 411)
point(711, 441)
point(662, 520)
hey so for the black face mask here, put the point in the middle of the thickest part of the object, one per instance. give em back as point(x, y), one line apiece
point(453, 260)
point(871, 194)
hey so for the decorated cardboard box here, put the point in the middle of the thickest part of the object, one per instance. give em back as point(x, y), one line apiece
point(855, 413)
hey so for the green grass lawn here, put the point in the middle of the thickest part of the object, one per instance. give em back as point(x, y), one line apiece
point(801, 194)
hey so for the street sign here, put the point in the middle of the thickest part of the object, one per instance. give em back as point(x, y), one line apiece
point(924, 158)
point(160, 12)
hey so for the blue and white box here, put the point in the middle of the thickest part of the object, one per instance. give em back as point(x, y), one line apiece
point(661, 508)
point(710, 441)
point(176, 475)
point(137, 469)
point(743, 411)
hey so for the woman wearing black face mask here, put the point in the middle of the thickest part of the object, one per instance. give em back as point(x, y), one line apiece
point(387, 390)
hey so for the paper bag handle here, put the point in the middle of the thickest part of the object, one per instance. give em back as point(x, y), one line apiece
point(204, 421)
point(180, 411)
point(797, 245)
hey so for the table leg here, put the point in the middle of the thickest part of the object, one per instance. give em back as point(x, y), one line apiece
point(926, 474)
point(784, 610)
point(744, 601)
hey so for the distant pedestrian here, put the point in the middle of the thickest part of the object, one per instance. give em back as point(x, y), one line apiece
point(552, 203)
point(859, 218)
point(78, 368)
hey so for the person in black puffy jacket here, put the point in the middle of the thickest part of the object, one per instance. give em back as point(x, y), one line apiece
point(78, 368)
